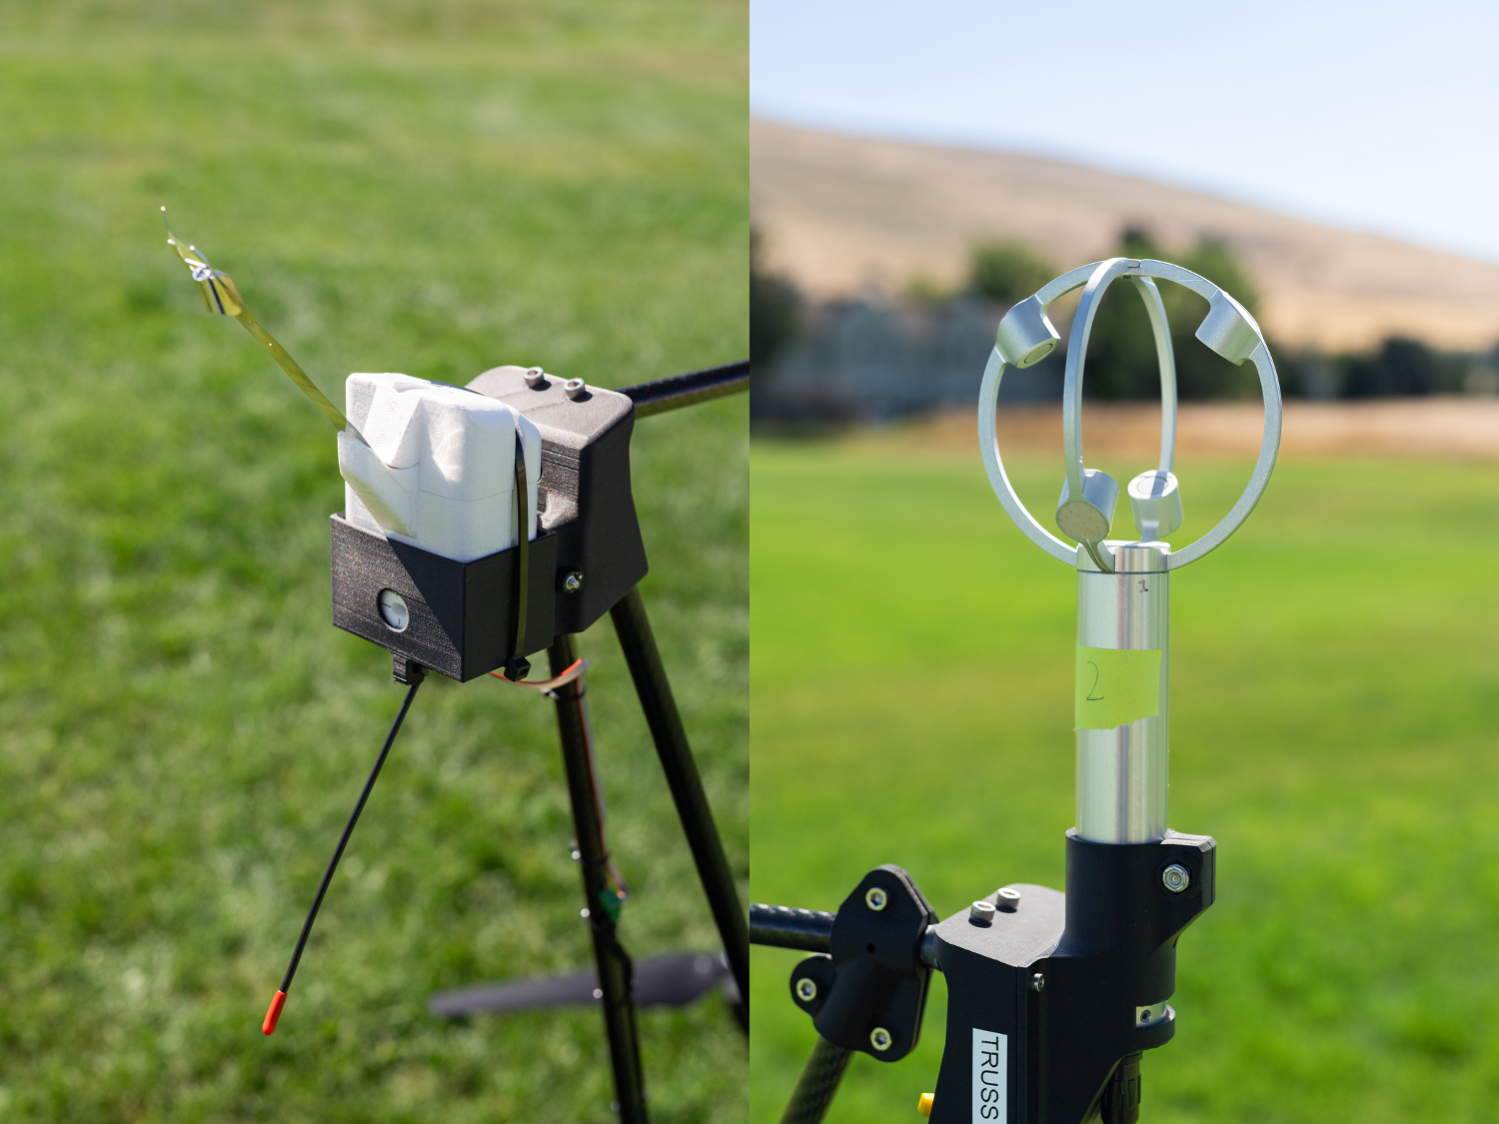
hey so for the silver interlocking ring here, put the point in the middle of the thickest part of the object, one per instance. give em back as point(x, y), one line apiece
point(1026, 336)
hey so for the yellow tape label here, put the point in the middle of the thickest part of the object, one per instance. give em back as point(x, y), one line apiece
point(1116, 686)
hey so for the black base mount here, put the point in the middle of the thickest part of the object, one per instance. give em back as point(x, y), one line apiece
point(1052, 997)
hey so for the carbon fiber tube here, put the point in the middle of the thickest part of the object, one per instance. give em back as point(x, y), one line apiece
point(819, 1082)
point(810, 930)
point(660, 395)
point(638, 643)
point(610, 959)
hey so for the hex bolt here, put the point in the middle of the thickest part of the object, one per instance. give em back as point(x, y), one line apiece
point(806, 990)
point(536, 378)
point(573, 582)
point(1175, 878)
point(981, 913)
point(876, 899)
point(574, 388)
point(1038, 981)
point(880, 1039)
point(1007, 900)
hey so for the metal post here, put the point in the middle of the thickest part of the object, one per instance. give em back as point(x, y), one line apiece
point(819, 1082)
point(677, 762)
point(613, 962)
point(1122, 771)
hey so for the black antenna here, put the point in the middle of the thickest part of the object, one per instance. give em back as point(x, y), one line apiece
point(273, 1013)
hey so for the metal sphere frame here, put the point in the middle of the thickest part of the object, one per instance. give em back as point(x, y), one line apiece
point(1026, 336)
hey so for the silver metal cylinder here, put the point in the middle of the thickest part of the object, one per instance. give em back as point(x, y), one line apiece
point(1122, 771)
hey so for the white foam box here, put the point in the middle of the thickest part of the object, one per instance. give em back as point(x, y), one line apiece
point(439, 469)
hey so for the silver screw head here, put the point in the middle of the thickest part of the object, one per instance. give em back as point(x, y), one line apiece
point(574, 388)
point(981, 913)
point(535, 377)
point(573, 582)
point(806, 990)
point(1175, 878)
point(876, 899)
point(1007, 900)
point(1038, 981)
point(880, 1039)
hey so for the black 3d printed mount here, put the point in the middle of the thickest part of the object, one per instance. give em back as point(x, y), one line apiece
point(1051, 997)
point(587, 554)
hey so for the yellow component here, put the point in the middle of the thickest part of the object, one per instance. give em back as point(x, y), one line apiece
point(924, 1106)
point(221, 297)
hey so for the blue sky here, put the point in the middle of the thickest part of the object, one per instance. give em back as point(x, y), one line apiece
point(1378, 116)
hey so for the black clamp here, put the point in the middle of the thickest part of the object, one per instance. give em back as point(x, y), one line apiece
point(1065, 991)
point(870, 994)
point(465, 619)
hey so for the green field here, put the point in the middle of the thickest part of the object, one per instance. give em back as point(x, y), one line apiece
point(429, 188)
point(1335, 703)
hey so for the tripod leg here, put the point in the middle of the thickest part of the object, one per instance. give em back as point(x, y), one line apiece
point(639, 644)
point(819, 1081)
point(613, 963)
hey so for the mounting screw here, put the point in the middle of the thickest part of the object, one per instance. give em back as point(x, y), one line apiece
point(573, 582)
point(536, 378)
point(806, 990)
point(981, 913)
point(574, 388)
point(1038, 981)
point(1175, 878)
point(880, 1039)
point(876, 899)
point(1007, 900)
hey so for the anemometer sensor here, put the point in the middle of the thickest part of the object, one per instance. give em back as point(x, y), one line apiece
point(1053, 998)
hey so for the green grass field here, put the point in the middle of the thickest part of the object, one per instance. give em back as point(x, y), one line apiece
point(429, 188)
point(1335, 703)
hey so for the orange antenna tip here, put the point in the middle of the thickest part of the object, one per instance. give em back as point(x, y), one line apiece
point(273, 1013)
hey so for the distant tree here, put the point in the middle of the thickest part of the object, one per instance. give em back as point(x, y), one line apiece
point(775, 314)
point(1404, 368)
point(1007, 271)
point(1122, 361)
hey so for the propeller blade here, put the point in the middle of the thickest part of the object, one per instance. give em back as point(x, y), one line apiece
point(673, 980)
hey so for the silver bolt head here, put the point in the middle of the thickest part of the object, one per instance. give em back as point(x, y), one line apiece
point(573, 582)
point(880, 1039)
point(876, 899)
point(981, 913)
point(1175, 878)
point(535, 377)
point(806, 990)
point(1007, 900)
point(574, 388)
point(1038, 981)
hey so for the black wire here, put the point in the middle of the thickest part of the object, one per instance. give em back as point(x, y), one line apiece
point(395, 728)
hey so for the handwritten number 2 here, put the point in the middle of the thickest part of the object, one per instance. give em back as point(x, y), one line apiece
point(1090, 696)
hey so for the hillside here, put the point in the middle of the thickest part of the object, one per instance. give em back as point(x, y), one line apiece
point(840, 212)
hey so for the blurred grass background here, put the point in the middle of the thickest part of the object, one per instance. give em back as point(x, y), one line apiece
point(434, 188)
point(1335, 697)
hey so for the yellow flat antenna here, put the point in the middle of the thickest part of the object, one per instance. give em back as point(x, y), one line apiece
point(221, 298)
